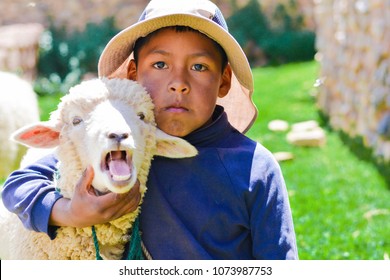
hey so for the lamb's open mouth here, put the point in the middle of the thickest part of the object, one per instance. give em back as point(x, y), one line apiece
point(119, 166)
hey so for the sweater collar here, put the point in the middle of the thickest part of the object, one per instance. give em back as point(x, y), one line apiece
point(212, 133)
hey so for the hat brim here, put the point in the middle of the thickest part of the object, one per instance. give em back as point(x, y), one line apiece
point(238, 102)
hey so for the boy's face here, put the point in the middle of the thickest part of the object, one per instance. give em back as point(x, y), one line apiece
point(182, 72)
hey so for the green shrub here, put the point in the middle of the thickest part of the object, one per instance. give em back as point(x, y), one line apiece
point(286, 42)
point(66, 56)
point(249, 24)
point(289, 46)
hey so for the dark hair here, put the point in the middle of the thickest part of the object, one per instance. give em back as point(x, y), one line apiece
point(143, 40)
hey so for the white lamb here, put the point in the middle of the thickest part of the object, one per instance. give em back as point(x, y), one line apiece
point(18, 107)
point(110, 125)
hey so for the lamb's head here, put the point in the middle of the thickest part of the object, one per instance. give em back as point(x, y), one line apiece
point(110, 125)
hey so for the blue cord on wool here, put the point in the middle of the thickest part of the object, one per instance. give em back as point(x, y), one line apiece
point(135, 247)
point(96, 244)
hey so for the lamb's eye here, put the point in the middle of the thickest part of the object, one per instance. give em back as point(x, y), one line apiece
point(77, 120)
point(141, 116)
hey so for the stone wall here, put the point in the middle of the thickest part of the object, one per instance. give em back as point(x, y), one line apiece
point(19, 44)
point(74, 14)
point(353, 42)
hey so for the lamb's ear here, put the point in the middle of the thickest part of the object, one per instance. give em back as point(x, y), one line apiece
point(173, 147)
point(37, 135)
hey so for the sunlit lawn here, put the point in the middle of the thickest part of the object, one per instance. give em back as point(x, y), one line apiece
point(340, 204)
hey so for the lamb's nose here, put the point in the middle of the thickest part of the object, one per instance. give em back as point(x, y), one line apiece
point(118, 136)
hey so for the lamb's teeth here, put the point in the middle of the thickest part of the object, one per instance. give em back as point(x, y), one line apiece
point(120, 178)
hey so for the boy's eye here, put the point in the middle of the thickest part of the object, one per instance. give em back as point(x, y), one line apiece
point(160, 65)
point(199, 67)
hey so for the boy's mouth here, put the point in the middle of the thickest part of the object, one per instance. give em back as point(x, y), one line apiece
point(176, 109)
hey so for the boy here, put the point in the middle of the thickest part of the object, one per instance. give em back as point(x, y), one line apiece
point(229, 202)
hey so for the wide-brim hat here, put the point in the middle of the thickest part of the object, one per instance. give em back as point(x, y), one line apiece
point(201, 15)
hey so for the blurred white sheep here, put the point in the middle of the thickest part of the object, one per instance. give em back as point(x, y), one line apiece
point(18, 107)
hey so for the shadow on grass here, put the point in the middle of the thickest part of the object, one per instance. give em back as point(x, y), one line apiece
point(361, 151)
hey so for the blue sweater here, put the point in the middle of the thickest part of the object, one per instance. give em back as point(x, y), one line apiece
point(229, 202)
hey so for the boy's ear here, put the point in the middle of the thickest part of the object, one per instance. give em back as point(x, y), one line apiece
point(226, 81)
point(132, 70)
point(38, 135)
point(173, 147)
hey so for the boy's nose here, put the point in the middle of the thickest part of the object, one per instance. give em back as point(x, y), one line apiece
point(179, 83)
point(178, 87)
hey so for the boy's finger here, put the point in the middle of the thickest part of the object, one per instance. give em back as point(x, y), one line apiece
point(84, 183)
point(119, 201)
point(134, 201)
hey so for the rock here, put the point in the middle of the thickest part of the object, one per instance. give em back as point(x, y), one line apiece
point(309, 138)
point(283, 156)
point(278, 125)
point(305, 126)
point(307, 133)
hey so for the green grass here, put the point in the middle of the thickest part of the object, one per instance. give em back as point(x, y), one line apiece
point(340, 204)
point(48, 104)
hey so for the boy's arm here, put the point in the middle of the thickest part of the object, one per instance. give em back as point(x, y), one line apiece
point(271, 220)
point(30, 194)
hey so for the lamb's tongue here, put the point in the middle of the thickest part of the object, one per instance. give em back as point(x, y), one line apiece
point(119, 168)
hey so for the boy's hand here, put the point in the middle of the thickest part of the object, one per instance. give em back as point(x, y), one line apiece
point(87, 209)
